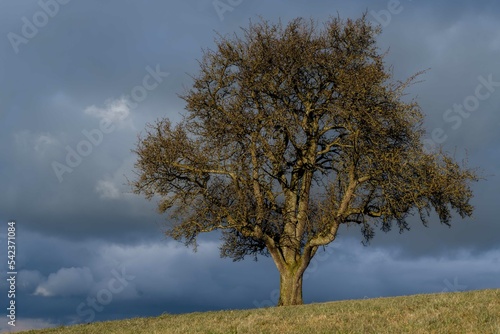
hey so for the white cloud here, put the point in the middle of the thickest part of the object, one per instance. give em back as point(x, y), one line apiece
point(66, 282)
point(43, 141)
point(107, 190)
point(113, 186)
point(24, 324)
point(39, 142)
point(116, 110)
point(42, 291)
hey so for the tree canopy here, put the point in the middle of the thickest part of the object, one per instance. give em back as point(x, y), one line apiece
point(290, 132)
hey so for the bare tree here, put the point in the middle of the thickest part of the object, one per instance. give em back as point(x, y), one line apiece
point(290, 132)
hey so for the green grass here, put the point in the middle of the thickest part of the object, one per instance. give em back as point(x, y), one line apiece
point(457, 312)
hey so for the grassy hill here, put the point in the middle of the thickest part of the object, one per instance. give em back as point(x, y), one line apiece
point(458, 312)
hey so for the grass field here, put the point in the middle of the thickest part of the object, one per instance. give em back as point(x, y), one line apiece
point(457, 312)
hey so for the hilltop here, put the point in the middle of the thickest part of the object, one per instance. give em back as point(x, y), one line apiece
point(456, 312)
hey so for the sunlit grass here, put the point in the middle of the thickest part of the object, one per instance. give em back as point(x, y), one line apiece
point(458, 312)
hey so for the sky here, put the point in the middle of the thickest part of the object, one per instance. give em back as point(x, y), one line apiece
point(79, 81)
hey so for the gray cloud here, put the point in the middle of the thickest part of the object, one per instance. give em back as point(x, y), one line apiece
point(186, 281)
point(66, 282)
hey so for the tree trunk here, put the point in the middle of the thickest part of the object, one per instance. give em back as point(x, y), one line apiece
point(290, 288)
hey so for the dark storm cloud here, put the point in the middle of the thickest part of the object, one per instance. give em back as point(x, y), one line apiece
point(109, 280)
point(85, 64)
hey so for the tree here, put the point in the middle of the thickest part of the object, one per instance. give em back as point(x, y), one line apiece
point(291, 132)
